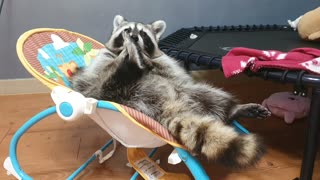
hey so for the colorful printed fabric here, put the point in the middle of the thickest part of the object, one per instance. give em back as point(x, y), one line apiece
point(61, 59)
point(240, 59)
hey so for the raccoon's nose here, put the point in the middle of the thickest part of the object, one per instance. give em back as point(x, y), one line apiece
point(135, 38)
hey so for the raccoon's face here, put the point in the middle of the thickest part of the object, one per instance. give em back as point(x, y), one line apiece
point(146, 35)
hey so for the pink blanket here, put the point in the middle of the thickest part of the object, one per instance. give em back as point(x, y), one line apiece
point(240, 59)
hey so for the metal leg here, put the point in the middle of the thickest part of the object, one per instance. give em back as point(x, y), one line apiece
point(310, 149)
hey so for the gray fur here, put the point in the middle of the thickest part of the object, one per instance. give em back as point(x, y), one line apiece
point(196, 114)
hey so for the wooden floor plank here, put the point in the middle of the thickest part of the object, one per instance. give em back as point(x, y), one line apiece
point(3, 133)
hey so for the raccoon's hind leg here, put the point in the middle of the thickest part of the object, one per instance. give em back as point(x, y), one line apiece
point(217, 102)
point(250, 110)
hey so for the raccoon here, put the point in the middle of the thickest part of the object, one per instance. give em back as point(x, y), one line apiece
point(133, 71)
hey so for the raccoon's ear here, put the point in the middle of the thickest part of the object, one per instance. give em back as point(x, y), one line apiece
point(158, 28)
point(118, 19)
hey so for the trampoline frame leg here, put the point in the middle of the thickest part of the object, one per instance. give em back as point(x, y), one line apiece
point(310, 149)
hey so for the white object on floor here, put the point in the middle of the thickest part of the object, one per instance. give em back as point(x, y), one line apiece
point(9, 167)
point(174, 158)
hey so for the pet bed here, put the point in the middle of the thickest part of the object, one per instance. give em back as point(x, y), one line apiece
point(204, 47)
point(52, 56)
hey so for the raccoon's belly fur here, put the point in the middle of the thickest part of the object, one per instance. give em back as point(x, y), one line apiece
point(195, 114)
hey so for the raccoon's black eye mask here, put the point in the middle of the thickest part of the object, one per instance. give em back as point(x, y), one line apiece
point(143, 34)
point(128, 30)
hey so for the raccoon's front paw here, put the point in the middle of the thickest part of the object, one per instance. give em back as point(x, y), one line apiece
point(126, 39)
point(251, 110)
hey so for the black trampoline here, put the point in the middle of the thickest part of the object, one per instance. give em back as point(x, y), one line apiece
point(203, 48)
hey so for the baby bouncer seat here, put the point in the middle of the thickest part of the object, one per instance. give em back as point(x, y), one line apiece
point(52, 56)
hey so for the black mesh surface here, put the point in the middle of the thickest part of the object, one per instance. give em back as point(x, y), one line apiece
point(218, 41)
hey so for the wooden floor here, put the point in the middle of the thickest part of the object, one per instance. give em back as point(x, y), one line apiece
point(53, 148)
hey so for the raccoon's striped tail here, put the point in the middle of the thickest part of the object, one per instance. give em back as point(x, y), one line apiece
point(217, 141)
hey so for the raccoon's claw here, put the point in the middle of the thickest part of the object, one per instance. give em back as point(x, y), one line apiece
point(251, 110)
point(257, 111)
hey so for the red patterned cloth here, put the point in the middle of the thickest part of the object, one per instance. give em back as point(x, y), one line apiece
point(240, 59)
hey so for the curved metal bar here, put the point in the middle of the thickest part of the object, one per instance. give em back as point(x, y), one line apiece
point(35, 119)
point(193, 164)
point(178, 53)
point(240, 128)
point(299, 78)
point(197, 60)
point(284, 74)
point(187, 60)
point(16, 137)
